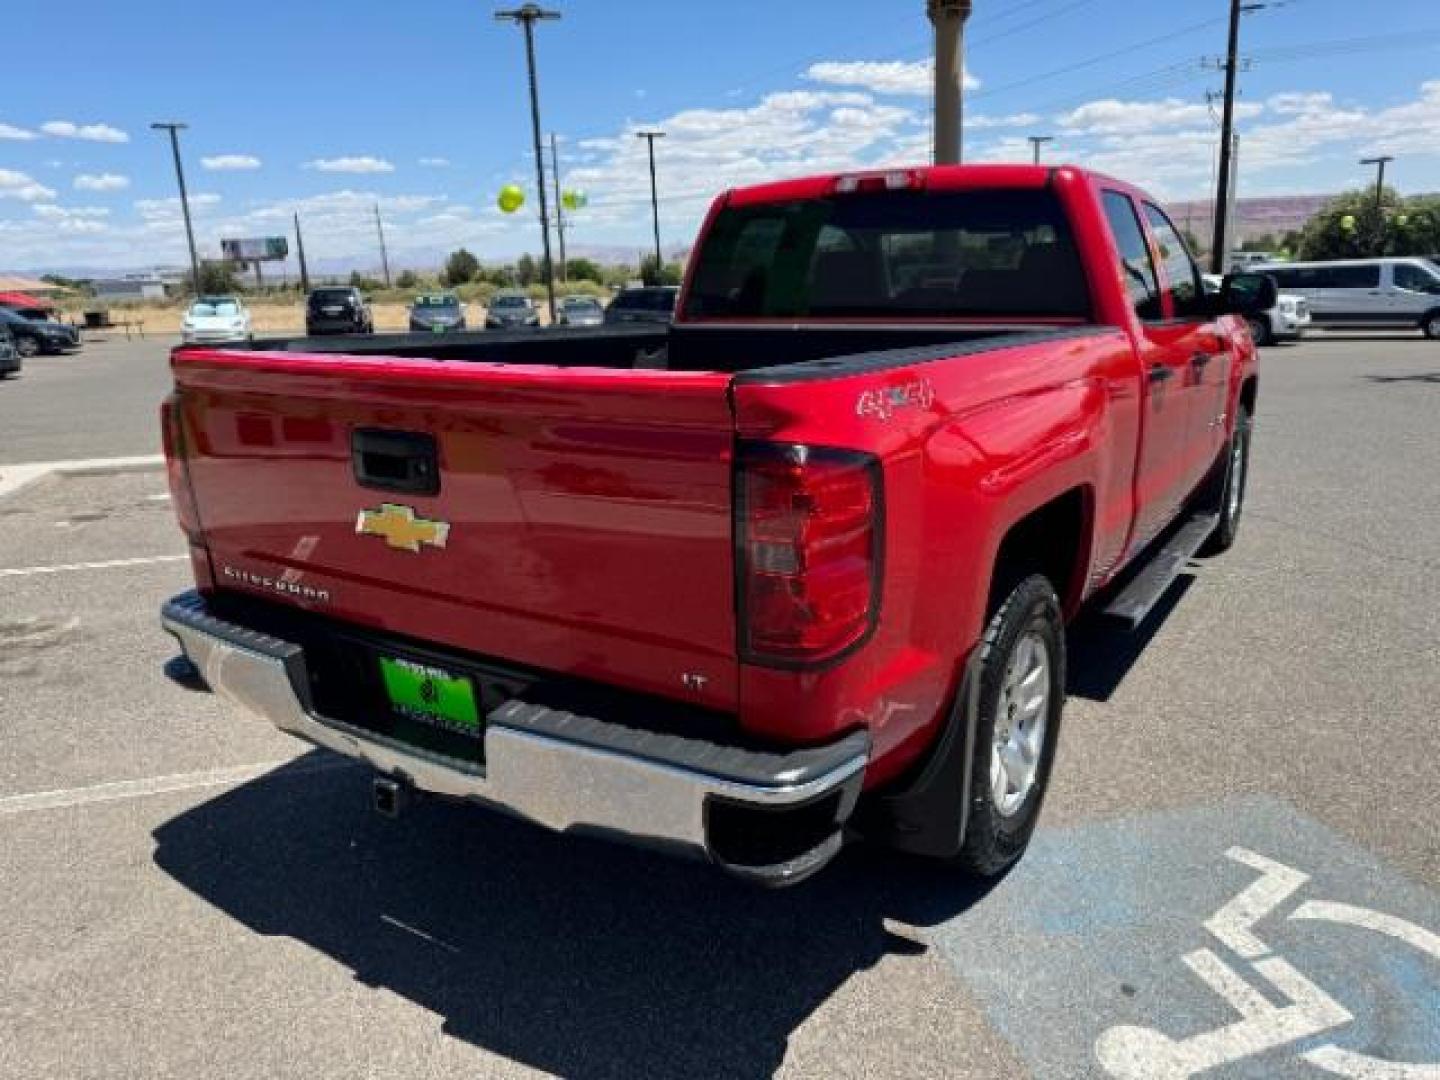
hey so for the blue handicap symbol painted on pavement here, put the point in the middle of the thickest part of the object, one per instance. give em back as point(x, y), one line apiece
point(1243, 940)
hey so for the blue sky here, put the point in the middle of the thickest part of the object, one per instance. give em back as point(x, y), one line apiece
point(327, 107)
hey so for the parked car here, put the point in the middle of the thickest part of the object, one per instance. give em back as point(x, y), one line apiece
point(810, 580)
point(214, 320)
point(1286, 321)
point(35, 336)
point(647, 304)
point(10, 360)
point(1376, 293)
point(337, 309)
point(436, 313)
point(581, 311)
point(508, 310)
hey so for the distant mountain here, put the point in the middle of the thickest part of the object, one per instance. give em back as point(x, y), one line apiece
point(1272, 214)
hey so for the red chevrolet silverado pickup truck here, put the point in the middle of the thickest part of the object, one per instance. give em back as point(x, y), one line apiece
point(794, 568)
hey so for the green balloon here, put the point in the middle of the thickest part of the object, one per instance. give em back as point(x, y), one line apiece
point(512, 197)
point(574, 200)
point(1402, 220)
point(1347, 222)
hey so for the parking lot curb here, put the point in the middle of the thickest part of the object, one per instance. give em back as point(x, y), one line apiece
point(15, 478)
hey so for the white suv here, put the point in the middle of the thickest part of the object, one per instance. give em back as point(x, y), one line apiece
point(1286, 321)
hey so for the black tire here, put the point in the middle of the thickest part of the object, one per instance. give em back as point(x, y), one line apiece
point(1430, 325)
point(27, 347)
point(1231, 479)
point(1260, 330)
point(994, 840)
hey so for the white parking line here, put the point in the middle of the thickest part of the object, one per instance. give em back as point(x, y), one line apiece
point(14, 478)
point(156, 785)
point(108, 564)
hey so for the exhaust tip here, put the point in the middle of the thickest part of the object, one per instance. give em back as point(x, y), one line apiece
point(389, 797)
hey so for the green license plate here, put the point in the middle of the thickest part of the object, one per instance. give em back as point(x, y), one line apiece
point(430, 695)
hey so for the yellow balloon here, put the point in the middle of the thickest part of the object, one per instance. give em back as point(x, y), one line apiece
point(1347, 222)
point(512, 197)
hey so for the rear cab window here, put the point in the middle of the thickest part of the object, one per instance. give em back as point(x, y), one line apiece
point(906, 254)
point(1136, 262)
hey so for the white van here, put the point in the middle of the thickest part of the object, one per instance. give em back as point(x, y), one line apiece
point(1389, 293)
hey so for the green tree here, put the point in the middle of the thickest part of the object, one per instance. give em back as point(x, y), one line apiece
point(668, 274)
point(1350, 226)
point(461, 267)
point(527, 271)
point(218, 277)
point(583, 269)
point(406, 280)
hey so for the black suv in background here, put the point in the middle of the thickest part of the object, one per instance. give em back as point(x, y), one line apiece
point(651, 304)
point(337, 309)
point(9, 358)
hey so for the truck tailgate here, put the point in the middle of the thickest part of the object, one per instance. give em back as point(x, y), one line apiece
point(582, 522)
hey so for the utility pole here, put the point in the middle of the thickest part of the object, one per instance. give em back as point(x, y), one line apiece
point(174, 129)
point(650, 137)
point(527, 16)
point(1218, 253)
point(384, 258)
point(1232, 228)
point(300, 249)
point(1380, 162)
point(948, 17)
point(559, 205)
point(1037, 141)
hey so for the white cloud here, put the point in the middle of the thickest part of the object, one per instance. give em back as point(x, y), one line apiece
point(67, 129)
point(54, 212)
point(9, 131)
point(230, 163)
point(435, 162)
point(164, 209)
point(982, 123)
point(74, 219)
point(1112, 117)
point(101, 182)
point(17, 185)
point(351, 165)
point(913, 77)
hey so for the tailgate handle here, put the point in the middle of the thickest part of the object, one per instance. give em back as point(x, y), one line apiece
point(404, 461)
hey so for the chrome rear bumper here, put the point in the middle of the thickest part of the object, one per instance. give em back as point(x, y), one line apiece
point(560, 770)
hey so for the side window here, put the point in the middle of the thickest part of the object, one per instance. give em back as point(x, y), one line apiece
point(1182, 276)
point(1412, 279)
point(1351, 277)
point(1135, 261)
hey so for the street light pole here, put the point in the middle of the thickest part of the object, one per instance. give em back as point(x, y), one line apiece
point(174, 129)
point(1037, 141)
point(384, 255)
point(527, 16)
point(300, 249)
point(1380, 162)
point(650, 137)
point(948, 17)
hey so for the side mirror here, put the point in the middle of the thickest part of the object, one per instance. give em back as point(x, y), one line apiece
point(1247, 294)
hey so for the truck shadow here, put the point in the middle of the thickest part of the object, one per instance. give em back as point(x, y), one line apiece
point(570, 955)
point(1101, 652)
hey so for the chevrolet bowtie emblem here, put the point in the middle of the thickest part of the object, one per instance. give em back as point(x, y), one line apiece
point(400, 529)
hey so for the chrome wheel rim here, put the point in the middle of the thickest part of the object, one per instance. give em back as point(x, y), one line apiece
point(1237, 476)
point(1022, 714)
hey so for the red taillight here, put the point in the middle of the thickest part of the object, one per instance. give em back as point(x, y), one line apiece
point(176, 471)
point(809, 528)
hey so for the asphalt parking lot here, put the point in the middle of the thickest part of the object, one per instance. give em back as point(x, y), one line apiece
point(1237, 872)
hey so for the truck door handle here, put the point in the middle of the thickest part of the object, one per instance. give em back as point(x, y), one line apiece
point(402, 461)
point(1160, 373)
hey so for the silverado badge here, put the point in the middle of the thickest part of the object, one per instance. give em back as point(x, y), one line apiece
point(400, 529)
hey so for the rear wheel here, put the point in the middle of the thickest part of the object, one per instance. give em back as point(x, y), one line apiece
point(27, 346)
point(1022, 691)
point(1431, 326)
point(1260, 330)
